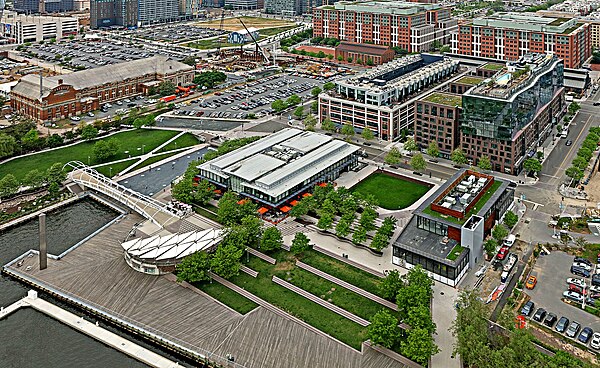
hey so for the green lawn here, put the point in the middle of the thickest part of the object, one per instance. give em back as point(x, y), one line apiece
point(333, 293)
point(343, 271)
point(203, 212)
point(227, 296)
point(185, 140)
point(320, 317)
point(116, 168)
point(273, 31)
point(392, 193)
point(210, 44)
point(130, 141)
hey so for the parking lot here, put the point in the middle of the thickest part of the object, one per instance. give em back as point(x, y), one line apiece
point(552, 272)
point(78, 54)
point(174, 33)
point(255, 97)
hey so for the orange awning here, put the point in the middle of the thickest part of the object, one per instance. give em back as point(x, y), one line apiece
point(262, 210)
point(218, 191)
point(306, 195)
point(285, 209)
point(322, 185)
point(294, 202)
point(242, 201)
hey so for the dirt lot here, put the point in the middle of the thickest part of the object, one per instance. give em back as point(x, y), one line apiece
point(233, 24)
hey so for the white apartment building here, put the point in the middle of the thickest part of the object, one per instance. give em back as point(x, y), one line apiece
point(21, 28)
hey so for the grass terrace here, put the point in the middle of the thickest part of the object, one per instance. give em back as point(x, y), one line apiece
point(478, 206)
point(571, 29)
point(444, 99)
point(558, 21)
point(116, 167)
point(470, 80)
point(392, 193)
point(492, 66)
point(129, 141)
point(274, 31)
point(227, 296)
point(186, 140)
point(456, 251)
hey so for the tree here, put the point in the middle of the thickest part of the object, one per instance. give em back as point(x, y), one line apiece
point(9, 185)
point(325, 220)
point(510, 219)
point(367, 219)
point(166, 88)
point(299, 112)
point(54, 140)
point(499, 232)
point(314, 106)
point(328, 86)
point(7, 145)
point(490, 247)
point(34, 178)
point(189, 60)
point(348, 131)
point(293, 100)
point(532, 165)
point(340, 58)
point(581, 242)
point(574, 173)
point(55, 174)
point(410, 145)
point(278, 105)
point(101, 150)
point(328, 125)
point(204, 192)
point(310, 122)
point(194, 268)
point(300, 243)
point(227, 211)
point(484, 163)
point(226, 261)
point(384, 330)
point(367, 134)
point(88, 132)
point(580, 163)
point(420, 317)
point(315, 91)
point(433, 150)
point(369, 62)
point(342, 229)
point(349, 59)
point(393, 157)
point(391, 285)
point(445, 49)
point(359, 236)
point(30, 140)
point(271, 239)
point(183, 191)
point(419, 346)
point(458, 157)
point(417, 162)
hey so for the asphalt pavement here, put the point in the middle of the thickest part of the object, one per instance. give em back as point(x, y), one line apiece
point(157, 178)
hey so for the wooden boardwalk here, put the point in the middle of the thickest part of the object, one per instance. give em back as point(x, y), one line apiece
point(348, 286)
point(95, 273)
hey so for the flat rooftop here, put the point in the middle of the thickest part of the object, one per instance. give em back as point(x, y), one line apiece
point(470, 80)
point(446, 99)
point(529, 22)
point(382, 7)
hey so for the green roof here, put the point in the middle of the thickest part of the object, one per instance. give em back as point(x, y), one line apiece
point(492, 66)
point(569, 30)
point(558, 21)
point(444, 99)
point(470, 80)
point(456, 251)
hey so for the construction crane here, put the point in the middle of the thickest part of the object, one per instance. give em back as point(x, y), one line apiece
point(258, 48)
point(220, 29)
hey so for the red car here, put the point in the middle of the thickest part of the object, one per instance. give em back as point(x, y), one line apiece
point(575, 288)
point(502, 253)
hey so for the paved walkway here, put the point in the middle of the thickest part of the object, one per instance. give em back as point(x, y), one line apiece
point(444, 296)
point(348, 286)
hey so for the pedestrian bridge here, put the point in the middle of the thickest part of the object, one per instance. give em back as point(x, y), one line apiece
point(146, 206)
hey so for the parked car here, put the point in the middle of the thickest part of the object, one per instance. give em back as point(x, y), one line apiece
point(576, 281)
point(502, 253)
point(510, 240)
point(585, 335)
point(568, 142)
point(573, 296)
point(531, 282)
point(562, 324)
point(550, 320)
point(583, 265)
point(583, 260)
point(576, 289)
point(90, 114)
point(539, 315)
point(580, 271)
point(573, 329)
point(595, 343)
point(527, 308)
point(596, 280)
point(75, 118)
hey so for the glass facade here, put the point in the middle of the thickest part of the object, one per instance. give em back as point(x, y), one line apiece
point(500, 118)
point(432, 265)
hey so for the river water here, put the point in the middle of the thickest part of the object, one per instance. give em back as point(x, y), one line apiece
point(31, 339)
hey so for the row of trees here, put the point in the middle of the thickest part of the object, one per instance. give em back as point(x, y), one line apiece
point(34, 179)
point(584, 155)
point(297, 38)
point(479, 345)
point(280, 105)
point(319, 55)
point(210, 79)
point(412, 294)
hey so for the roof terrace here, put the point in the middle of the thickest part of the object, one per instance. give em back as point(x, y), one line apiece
point(446, 99)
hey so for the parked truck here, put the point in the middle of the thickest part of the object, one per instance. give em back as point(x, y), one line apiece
point(168, 98)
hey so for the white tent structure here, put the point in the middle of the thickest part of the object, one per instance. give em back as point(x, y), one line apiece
point(158, 255)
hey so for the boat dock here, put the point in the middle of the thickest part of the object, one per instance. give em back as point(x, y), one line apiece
point(93, 330)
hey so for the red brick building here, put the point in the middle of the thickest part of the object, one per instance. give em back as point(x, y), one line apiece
point(437, 120)
point(412, 27)
point(62, 96)
point(364, 52)
point(509, 36)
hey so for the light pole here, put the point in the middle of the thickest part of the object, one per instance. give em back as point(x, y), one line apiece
point(143, 146)
point(110, 168)
point(88, 160)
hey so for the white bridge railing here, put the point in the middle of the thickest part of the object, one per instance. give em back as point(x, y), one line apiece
point(146, 206)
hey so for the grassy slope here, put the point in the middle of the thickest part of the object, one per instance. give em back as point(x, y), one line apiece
point(392, 193)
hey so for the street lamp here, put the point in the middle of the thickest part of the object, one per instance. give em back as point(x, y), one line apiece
point(88, 160)
point(143, 146)
point(110, 168)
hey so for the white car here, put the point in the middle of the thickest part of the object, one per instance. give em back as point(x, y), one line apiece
point(594, 289)
point(575, 281)
point(481, 271)
point(585, 266)
point(75, 118)
point(573, 296)
point(595, 343)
